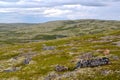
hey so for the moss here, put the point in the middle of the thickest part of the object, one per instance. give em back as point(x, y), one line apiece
point(46, 60)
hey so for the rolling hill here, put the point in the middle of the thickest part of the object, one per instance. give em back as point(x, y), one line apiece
point(22, 33)
point(47, 45)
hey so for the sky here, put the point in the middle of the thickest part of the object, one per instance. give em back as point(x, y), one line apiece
point(38, 11)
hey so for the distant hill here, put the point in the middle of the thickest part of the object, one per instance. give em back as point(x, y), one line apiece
point(24, 32)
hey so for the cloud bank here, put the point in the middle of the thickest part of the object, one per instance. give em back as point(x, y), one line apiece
point(46, 10)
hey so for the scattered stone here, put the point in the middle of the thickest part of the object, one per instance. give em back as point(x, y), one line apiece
point(27, 60)
point(115, 58)
point(60, 68)
point(105, 72)
point(109, 37)
point(86, 55)
point(9, 70)
point(32, 62)
point(92, 62)
point(12, 60)
point(72, 75)
point(51, 76)
point(71, 53)
point(12, 69)
point(48, 47)
point(101, 41)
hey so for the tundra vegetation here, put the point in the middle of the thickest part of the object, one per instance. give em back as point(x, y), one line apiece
point(52, 50)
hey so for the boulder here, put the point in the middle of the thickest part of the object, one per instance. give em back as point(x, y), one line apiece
point(27, 60)
point(60, 68)
point(92, 62)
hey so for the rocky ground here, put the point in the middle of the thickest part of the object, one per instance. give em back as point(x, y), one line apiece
point(57, 59)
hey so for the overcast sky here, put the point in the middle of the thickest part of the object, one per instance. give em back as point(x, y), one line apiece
point(36, 11)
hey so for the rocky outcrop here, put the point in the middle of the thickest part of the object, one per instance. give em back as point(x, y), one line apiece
point(92, 62)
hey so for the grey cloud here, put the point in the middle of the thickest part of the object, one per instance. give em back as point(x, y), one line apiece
point(94, 4)
point(10, 0)
point(28, 4)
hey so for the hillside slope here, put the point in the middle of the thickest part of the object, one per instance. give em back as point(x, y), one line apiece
point(22, 33)
point(65, 51)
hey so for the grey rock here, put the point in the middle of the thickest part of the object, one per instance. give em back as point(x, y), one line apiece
point(115, 57)
point(86, 55)
point(105, 72)
point(51, 76)
point(27, 60)
point(48, 47)
point(92, 62)
point(60, 68)
point(12, 69)
point(108, 37)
